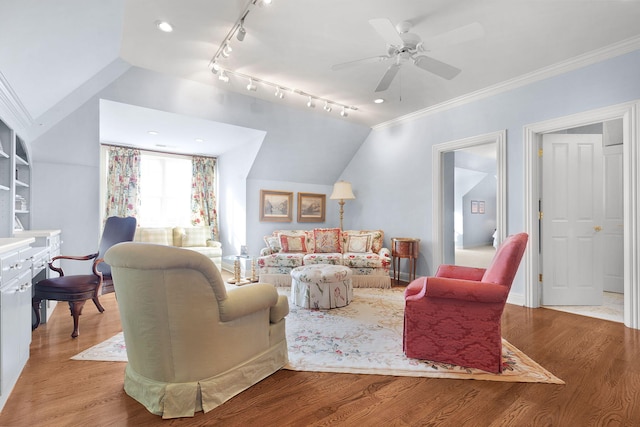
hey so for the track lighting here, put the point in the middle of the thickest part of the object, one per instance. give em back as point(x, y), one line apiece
point(226, 51)
point(344, 113)
point(263, 2)
point(223, 76)
point(241, 31)
point(214, 67)
point(310, 103)
point(279, 93)
point(251, 86)
point(327, 107)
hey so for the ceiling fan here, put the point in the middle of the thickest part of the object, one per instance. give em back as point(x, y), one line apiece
point(404, 46)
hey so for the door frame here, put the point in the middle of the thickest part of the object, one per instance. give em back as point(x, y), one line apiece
point(438, 151)
point(628, 112)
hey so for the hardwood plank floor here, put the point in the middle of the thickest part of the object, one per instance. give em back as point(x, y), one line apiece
point(599, 361)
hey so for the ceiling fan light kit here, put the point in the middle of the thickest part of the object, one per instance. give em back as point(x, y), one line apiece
point(224, 51)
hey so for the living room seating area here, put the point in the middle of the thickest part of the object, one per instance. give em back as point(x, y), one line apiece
point(360, 250)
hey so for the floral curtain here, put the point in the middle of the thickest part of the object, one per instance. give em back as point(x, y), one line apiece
point(123, 179)
point(203, 196)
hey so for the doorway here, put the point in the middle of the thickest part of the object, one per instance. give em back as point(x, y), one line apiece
point(581, 223)
point(631, 161)
point(444, 194)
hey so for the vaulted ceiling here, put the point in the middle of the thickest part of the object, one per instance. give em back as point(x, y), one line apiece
point(48, 49)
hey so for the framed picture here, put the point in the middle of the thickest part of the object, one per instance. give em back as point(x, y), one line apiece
point(480, 207)
point(311, 207)
point(474, 206)
point(276, 206)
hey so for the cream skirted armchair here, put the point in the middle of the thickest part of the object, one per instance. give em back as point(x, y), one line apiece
point(191, 343)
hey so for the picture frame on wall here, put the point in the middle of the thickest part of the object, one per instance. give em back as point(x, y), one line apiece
point(276, 206)
point(474, 206)
point(311, 207)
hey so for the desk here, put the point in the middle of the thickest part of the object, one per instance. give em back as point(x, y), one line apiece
point(405, 247)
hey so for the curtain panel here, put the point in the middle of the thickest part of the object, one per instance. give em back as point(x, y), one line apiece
point(123, 178)
point(203, 196)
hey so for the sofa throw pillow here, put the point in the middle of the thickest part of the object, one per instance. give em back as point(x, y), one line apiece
point(195, 236)
point(377, 239)
point(327, 240)
point(158, 236)
point(358, 243)
point(273, 243)
point(291, 244)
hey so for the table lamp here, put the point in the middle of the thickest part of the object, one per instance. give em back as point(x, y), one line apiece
point(342, 191)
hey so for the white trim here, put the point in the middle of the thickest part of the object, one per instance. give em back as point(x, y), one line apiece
point(611, 51)
point(10, 105)
point(500, 139)
point(630, 114)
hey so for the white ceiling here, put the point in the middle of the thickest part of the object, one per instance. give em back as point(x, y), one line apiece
point(55, 47)
point(145, 128)
point(295, 43)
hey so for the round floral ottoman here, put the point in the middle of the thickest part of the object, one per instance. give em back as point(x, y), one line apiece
point(321, 286)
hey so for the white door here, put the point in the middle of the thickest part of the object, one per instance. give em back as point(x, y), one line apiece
point(571, 223)
point(612, 226)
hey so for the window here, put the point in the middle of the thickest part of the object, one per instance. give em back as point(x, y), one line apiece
point(165, 190)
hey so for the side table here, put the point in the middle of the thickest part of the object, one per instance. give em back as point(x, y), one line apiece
point(405, 247)
point(241, 275)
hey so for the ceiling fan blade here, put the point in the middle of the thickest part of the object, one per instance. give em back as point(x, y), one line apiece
point(386, 29)
point(459, 35)
point(350, 64)
point(436, 67)
point(388, 77)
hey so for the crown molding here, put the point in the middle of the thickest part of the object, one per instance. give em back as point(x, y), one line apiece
point(598, 55)
point(11, 108)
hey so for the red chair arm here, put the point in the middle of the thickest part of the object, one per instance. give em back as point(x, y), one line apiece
point(459, 272)
point(71, 257)
point(465, 290)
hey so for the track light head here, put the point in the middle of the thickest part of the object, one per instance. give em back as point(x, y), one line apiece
point(226, 51)
point(241, 32)
point(344, 113)
point(310, 103)
point(327, 107)
point(279, 93)
point(223, 77)
point(251, 86)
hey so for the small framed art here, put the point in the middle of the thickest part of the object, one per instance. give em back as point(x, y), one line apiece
point(311, 207)
point(276, 206)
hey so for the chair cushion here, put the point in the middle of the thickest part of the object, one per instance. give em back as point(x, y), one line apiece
point(281, 259)
point(358, 260)
point(195, 237)
point(67, 288)
point(159, 236)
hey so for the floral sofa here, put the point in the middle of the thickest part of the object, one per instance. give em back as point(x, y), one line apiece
point(194, 238)
point(360, 250)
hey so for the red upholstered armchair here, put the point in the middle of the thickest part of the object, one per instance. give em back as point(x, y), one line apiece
point(454, 317)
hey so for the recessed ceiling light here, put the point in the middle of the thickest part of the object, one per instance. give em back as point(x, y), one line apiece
point(164, 26)
point(378, 101)
point(199, 140)
point(152, 132)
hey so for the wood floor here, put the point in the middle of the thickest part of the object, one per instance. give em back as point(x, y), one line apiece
point(598, 360)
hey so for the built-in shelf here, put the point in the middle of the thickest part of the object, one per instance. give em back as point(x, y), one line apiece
point(3, 188)
point(3, 154)
point(21, 161)
point(21, 184)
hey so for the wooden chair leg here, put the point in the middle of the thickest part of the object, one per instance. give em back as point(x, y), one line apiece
point(76, 310)
point(35, 303)
point(99, 306)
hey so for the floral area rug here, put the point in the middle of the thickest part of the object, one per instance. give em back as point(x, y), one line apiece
point(364, 337)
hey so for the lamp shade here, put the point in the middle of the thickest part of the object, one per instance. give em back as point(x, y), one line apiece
point(342, 191)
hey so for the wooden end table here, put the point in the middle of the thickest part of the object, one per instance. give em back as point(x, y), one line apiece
point(405, 247)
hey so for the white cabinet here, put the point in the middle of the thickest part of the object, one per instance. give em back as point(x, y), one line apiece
point(15, 310)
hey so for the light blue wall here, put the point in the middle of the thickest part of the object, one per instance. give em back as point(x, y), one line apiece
point(392, 169)
point(302, 150)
